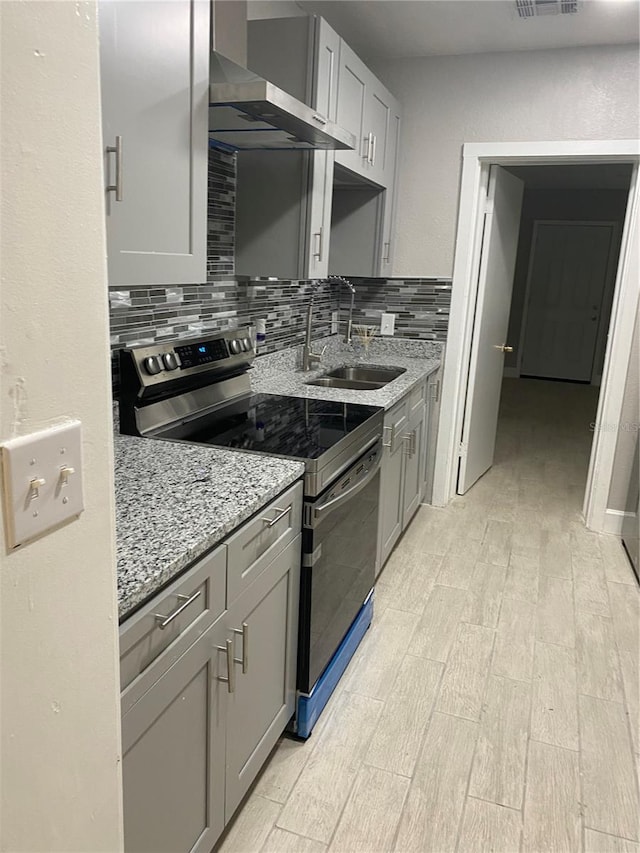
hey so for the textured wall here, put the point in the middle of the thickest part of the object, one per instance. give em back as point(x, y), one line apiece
point(581, 93)
point(628, 430)
point(59, 675)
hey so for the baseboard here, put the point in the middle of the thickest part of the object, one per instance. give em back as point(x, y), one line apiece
point(613, 521)
point(511, 373)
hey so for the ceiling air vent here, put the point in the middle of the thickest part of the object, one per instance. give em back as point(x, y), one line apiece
point(538, 8)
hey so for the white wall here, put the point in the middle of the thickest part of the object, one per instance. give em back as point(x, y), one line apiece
point(60, 737)
point(627, 442)
point(581, 93)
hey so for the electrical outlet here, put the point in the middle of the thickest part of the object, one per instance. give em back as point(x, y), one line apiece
point(335, 322)
point(387, 324)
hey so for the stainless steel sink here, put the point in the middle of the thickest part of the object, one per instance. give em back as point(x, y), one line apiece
point(358, 377)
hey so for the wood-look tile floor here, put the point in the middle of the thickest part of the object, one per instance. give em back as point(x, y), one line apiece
point(493, 704)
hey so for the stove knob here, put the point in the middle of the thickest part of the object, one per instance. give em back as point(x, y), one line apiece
point(170, 360)
point(246, 344)
point(152, 365)
point(235, 346)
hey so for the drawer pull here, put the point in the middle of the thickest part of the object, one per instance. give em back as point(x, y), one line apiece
point(270, 522)
point(392, 429)
point(230, 680)
point(163, 621)
point(244, 660)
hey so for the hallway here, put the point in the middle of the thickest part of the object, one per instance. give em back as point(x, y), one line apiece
point(493, 704)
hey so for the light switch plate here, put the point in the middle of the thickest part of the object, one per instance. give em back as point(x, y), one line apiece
point(42, 480)
point(387, 324)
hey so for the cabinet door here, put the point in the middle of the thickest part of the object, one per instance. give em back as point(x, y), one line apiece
point(390, 199)
point(377, 122)
point(154, 59)
point(325, 100)
point(432, 413)
point(352, 94)
point(391, 483)
point(173, 754)
point(264, 625)
point(413, 465)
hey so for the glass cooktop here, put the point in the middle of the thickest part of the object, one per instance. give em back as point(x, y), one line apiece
point(287, 426)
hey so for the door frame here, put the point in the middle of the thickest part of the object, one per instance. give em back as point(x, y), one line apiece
point(476, 160)
point(609, 280)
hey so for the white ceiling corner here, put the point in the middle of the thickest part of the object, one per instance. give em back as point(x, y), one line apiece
point(400, 29)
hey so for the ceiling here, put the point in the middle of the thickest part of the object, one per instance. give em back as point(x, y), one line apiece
point(386, 29)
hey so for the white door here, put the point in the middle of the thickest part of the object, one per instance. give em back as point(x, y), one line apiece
point(495, 283)
point(567, 278)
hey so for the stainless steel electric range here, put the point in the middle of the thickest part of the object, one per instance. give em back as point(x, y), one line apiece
point(199, 391)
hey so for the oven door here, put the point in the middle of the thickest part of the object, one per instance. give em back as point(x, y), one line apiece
point(339, 540)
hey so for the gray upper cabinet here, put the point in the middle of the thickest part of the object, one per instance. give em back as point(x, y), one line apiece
point(154, 59)
point(369, 111)
point(283, 198)
point(353, 75)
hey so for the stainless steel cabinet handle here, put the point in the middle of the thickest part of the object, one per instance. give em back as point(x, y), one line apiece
point(413, 443)
point(281, 514)
point(373, 149)
point(230, 680)
point(186, 601)
point(436, 391)
point(367, 155)
point(392, 429)
point(387, 252)
point(318, 234)
point(319, 119)
point(244, 660)
point(117, 150)
point(406, 440)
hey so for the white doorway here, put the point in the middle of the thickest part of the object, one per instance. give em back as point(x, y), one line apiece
point(465, 317)
point(566, 311)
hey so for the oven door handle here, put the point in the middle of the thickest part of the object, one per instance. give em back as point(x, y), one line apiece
point(319, 511)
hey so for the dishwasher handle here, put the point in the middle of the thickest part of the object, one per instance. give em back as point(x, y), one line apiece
point(318, 513)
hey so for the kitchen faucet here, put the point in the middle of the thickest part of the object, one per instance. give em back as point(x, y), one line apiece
point(309, 357)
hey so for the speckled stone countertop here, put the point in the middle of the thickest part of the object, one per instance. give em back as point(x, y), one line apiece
point(176, 501)
point(280, 372)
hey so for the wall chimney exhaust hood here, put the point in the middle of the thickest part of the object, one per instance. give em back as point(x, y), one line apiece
point(248, 112)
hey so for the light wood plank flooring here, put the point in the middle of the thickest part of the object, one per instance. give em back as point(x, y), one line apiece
point(495, 707)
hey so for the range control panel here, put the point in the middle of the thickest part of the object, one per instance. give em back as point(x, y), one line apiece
point(158, 363)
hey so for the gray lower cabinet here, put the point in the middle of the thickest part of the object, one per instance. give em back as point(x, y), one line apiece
point(173, 745)
point(432, 416)
point(403, 470)
point(154, 64)
point(264, 622)
point(208, 684)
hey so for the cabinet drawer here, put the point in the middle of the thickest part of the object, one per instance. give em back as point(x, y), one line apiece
point(252, 548)
point(395, 421)
point(165, 627)
point(416, 399)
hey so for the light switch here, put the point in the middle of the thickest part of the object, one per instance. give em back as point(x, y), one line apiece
point(42, 480)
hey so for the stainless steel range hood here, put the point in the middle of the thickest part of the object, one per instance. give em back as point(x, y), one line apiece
point(248, 112)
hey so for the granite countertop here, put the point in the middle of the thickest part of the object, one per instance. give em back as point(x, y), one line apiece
point(280, 373)
point(176, 501)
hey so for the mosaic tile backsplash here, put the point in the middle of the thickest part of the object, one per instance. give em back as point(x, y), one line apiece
point(142, 314)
